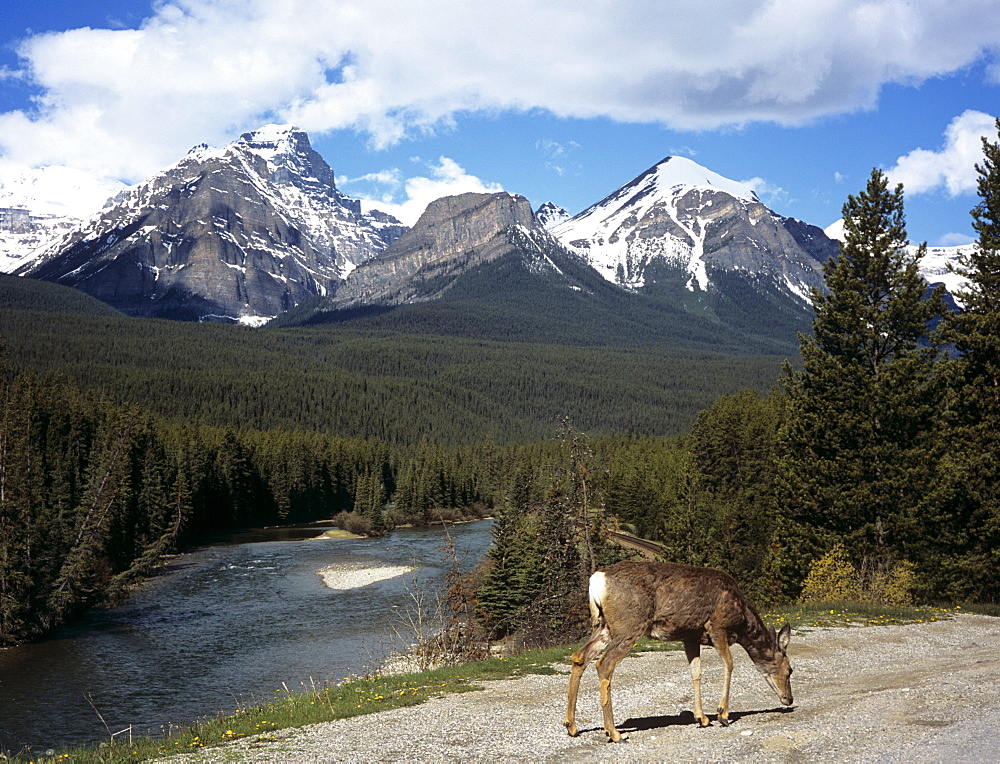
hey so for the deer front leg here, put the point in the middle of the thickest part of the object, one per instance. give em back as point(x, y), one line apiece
point(605, 668)
point(598, 641)
point(692, 649)
point(722, 648)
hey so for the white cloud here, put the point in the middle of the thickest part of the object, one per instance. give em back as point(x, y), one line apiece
point(558, 155)
point(126, 102)
point(383, 190)
point(955, 240)
point(767, 192)
point(953, 166)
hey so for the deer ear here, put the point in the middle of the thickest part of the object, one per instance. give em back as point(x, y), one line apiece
point(784, 635)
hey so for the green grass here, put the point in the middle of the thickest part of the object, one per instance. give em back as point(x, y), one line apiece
point(352, 697)
point(356, 697)
point(826, 614)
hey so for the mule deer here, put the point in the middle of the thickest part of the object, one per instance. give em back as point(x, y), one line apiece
point(696, 606)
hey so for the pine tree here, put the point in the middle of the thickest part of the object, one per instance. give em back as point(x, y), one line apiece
point(515, 573)
point(969, 566)
point(859, 439)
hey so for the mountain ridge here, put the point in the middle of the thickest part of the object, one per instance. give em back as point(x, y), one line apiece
point(258, 231)
point(235, 234)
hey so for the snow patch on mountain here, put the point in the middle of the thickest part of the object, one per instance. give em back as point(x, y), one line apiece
point(40, 206)
point(937, 265)
point(675, 173)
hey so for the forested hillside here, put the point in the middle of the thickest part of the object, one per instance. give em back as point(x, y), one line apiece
point(124, 439)
point(505, 302)
point(396, 387)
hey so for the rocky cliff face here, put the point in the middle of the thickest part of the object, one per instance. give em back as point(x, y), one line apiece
point(241, 234)
point(454, 234)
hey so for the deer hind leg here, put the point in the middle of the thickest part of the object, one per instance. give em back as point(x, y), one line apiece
point(692, 649)
point(605, 668)
point(598, 641)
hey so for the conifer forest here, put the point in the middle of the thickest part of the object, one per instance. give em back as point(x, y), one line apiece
point(123, 440)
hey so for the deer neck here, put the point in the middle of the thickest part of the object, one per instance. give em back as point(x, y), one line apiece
point(755, 637)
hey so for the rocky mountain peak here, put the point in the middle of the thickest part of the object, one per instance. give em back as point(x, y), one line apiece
point(550, 215)
point(289, 157)
point(453, 235)
point(469, 219)
point(239, 233)
point(679, 221)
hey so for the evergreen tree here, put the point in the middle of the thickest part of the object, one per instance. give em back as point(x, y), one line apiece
point(370, 500)
point(515, 572)
point(733, 444)
point(859, 439)
point(968, 547)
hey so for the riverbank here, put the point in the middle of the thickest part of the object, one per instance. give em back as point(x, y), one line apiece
point(921, 692)
point(248, 618)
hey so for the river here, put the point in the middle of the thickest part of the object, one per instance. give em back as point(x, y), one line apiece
point(222, 626)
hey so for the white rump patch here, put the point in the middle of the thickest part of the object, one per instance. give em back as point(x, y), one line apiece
point(343, 577)
point(598, 587)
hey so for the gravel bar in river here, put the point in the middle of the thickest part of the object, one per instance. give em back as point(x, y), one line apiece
point(918, 693)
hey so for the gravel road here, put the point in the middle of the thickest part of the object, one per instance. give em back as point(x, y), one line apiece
point(917, 693)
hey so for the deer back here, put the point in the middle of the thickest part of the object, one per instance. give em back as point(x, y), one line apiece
point(672, 601)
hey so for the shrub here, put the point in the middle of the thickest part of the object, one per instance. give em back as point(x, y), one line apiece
point(832, 578)
point(888, 582)
point(352, 522)
point(882, 580)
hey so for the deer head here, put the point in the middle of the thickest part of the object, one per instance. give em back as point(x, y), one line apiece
point(775, 667)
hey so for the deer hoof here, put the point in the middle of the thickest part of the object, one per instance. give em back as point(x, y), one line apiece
point(571, 729)
point(723, 721)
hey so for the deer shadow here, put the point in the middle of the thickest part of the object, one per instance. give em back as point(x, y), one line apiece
point(643, 723)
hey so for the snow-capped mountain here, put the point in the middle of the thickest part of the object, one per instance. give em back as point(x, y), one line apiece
point(550, 215)
point(24, 235)
point(936, 268)
point(936, 265)
point(40, 206)
point(682, 223)
point(239, 233)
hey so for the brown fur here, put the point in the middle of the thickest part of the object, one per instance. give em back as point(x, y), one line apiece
point(696, 606)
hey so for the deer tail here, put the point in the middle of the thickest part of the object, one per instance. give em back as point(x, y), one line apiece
point(597, 591)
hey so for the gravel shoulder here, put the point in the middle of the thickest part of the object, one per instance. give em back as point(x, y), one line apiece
point(918, 693)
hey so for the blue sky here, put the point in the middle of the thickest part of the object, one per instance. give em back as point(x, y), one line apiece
point(559, 101)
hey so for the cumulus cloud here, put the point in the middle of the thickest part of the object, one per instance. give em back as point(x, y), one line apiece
point(407, 198)
point(125, 102)
point(951, 168)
